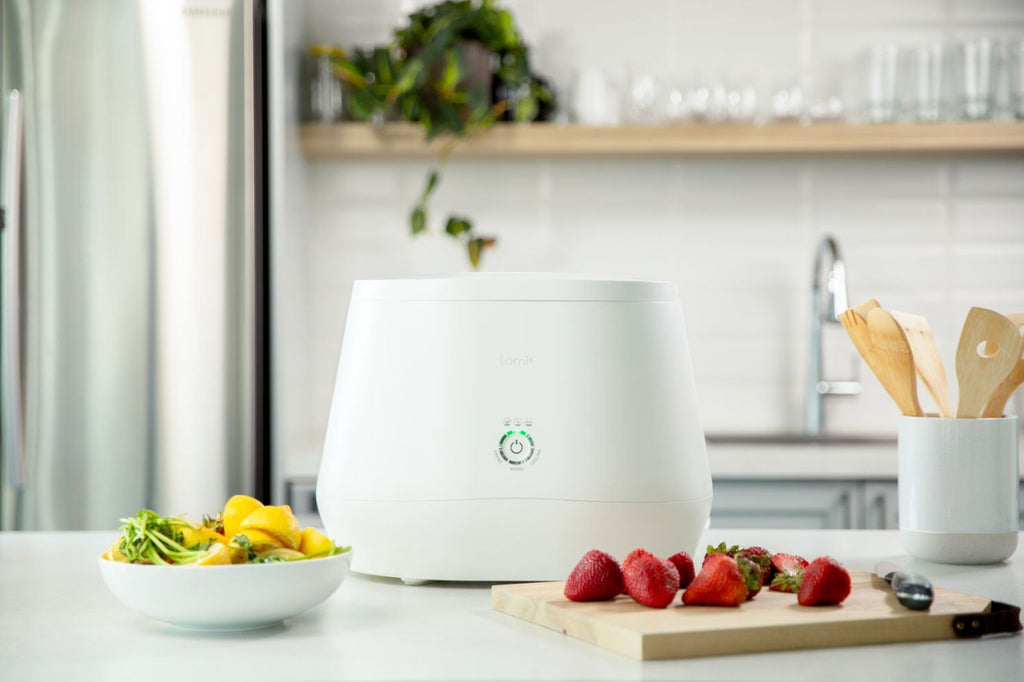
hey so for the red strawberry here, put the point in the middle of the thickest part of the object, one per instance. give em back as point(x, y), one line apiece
point(633, 556)
point(788, 572)
point(825, 582)
point(651, 581)
point(683, 564)
point(721, 582)
point(596, 577)
point(720, 549)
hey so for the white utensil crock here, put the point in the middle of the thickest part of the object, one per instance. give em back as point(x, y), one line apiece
point(958, 489)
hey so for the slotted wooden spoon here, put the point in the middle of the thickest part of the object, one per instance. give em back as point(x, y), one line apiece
point(926, 359)
point(895, 361)
point(997, 402)
point(989, 348)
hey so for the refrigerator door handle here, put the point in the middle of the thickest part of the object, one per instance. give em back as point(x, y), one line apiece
point(10, 325)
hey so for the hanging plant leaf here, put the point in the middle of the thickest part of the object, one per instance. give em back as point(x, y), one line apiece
point(473, 247)
point(418, 220)
point(457, 226)
point(476, 246)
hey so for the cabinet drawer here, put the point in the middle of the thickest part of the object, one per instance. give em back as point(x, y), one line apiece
point(785, 504)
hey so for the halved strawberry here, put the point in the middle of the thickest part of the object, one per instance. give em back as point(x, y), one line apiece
point(788, 572)
point(683, 564)
point(825, 582)
point(651, 581)
point(721, 582)
point(596, 577)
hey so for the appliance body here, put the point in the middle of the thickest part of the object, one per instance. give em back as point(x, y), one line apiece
point(496, 427)
point(132, 270)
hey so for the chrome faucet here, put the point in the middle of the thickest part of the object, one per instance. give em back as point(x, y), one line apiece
point(825, 310)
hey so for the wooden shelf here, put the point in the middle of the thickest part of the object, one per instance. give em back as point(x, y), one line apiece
point(545, 140)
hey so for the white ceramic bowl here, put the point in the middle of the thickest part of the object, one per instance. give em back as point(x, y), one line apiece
point(236, 597)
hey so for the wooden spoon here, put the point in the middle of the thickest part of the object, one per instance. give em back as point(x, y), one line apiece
point(895, 360)
point(997, 402)
point(926, 359)
point(989, 348)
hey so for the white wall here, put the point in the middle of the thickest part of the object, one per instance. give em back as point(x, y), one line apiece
point(927, 235)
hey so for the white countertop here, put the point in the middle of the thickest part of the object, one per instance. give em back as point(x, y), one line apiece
point(59, 622)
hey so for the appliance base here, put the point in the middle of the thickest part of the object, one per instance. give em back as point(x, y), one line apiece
point(486, 540)
point(959, 548)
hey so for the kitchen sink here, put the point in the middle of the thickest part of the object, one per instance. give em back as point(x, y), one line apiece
point(796, 439)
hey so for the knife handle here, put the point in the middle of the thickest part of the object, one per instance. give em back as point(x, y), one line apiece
point(912, 590)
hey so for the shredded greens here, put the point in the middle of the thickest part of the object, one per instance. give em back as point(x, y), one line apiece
point(150, 538)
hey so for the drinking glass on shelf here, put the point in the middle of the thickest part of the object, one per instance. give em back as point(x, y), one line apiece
point(742, 103)
point(592, 100)
point(1015, 64)
point(881, 63)
point(677, 106)
point(787, 104)
point(974, 67)
point(642, 100)
point(922, 83)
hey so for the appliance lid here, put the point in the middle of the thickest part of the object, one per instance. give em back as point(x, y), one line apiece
point(514, 286)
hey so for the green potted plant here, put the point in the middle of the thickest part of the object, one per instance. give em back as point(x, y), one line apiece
point(438, 71)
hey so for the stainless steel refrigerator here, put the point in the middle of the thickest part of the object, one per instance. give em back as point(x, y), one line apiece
point(133, 259)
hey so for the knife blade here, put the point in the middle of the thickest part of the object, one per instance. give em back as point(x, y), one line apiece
point(913, 590)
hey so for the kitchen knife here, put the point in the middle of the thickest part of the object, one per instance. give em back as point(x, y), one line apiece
point(912, 590)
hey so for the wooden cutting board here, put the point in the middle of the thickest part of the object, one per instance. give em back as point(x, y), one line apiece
point(772, 621)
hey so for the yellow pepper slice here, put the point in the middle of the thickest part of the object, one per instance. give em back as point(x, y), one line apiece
point(235, 511)
point(314, 542)
point(278, 521)
point(217, 555)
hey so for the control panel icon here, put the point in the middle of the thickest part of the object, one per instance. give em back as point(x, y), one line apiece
point(516, 447)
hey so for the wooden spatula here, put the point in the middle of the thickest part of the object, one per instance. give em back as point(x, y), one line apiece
point(997, 401)
point(926, 359)
point(866, 307)
point(989, 348)
point(895, 361)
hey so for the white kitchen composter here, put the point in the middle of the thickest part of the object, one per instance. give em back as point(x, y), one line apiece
point(496, 427)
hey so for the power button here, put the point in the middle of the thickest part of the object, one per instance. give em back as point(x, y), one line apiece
point(516, 447)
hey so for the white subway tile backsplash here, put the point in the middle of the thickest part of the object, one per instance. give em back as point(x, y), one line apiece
point(988, 177)
point(487, 182)
point(719, 312)
point(995, 267)
point(341, 12)
point(642, 184)
point(874, 12)
point(735, 357)
point(879, 177)
point(334, 183)
point(741, 406)
point(732, 182)
point(918, 268)
point(986, 10)
point(993, 219)
point(872, 412)
point(860, 221)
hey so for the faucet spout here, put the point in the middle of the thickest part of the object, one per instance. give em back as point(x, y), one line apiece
point(838, 301)
point(825, 311)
